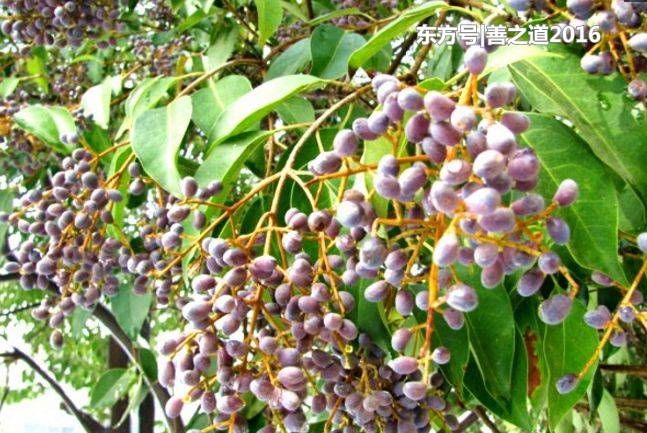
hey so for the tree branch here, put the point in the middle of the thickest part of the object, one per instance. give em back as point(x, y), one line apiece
point(19, 309)
point(636, 370)
point(470, 419)
point(480, 412)
point(9, 277)
point(89, 424)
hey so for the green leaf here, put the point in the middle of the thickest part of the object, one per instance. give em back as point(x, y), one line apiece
point(270, 14)
point(47, 123)
point(130, 310)
point(145, 96)
point(291, 61)
point(296, 110)
point(632, 216)
point(117, 162)
point(593, 218)
point(373, 151)
point(597, 107)
point(227, 159)
point(35, 66)
point(432, 84)
point(491, 333)
point(331, 48)
point(6, 205)
point(608, 412)
point(595, 391)
point(368, 316)
point(111, 387)
point(79, 319)
point(148, 363)
point(136, 396)
point(566, 348)
point(334, 14)
point(256, 104)
point(394, 29)
point(96, 101)
point(444, 61)
point(515, 410)
point(191, 21)
point(210, 102)
point(457, 343)
point(294, 10)
point(156, 138)
point(220, 50)
point(510, 54)
point(8, 85)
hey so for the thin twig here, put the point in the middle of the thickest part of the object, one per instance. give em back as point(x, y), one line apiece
point(480, 412)
point(89, 424)
point(636, 370)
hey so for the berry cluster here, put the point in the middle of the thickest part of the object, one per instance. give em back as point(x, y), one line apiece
point(161, 58)
point(61, 22)
point(161, 228)
point(280, 346)
point(23, 153)
point(65, 250)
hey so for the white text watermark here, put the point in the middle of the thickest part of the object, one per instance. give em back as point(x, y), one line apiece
point(534, 34)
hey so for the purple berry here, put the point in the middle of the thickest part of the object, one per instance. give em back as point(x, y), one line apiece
point(501, 220)
point(454, 318)
point(416, 128)
point(598, 318)
point(446, 250)
point(400, 339)
point(361, 129)
point(475, 59)
point(558, 230)
point(500, 138)
point(410, 100)
point(345, 143)
point(515, 121)
point(483, 201)
point(439, 106)
point(440, 355)
point(378, 122)
point(462, 297)
point(566, 383)
point(555, 309)
point(444, 133)
point(489, 164)
point(404, 365)
point(549, 262)
point(530, 282)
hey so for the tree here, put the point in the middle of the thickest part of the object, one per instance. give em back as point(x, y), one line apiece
point(289, 216)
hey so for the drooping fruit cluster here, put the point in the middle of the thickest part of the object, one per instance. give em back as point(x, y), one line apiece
point(280, 331)
point(161, 58)
point(371, 8)
point(162, 229)
point(65, 249)
point(23, 153)
point(61, 22)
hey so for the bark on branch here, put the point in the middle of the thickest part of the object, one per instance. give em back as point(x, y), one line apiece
point(88, 423)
